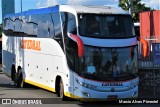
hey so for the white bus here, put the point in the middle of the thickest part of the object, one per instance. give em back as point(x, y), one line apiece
point(81, 52)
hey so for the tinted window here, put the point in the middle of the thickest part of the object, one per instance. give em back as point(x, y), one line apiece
point(45, 25)
point(5, 25)
point(71, 23)
point(10, 24)
point(106, 26)
point(69, 26)
point(107, 64)
point(18, 25)
point(25, 24)
point(41, 25)
point(57, 29)
point(55, 17)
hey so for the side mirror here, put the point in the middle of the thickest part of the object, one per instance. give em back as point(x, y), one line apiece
point(80, 45)
point(145, 46)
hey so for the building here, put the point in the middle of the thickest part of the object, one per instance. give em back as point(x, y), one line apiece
point(8, 7)
point(149, 30)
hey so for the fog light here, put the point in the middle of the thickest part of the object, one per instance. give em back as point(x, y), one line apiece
point(134, 94)
point(86, 94)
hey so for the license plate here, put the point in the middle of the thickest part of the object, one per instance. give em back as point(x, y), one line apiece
point(112, 97)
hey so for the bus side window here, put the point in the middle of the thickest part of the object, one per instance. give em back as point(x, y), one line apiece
point(11, 24)
point(17, 24)
point(25, 25)
point(71, 28)
point(55, 17)
point(57, 29)
point(49, 24)
point(63, 19)
point(6, 28)
point(5, 24)
point(42, 26)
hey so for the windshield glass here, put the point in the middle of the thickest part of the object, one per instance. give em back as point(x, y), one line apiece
point(106, 26)
point(108, 63)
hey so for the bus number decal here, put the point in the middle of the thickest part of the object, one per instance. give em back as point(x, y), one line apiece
point(30, 45)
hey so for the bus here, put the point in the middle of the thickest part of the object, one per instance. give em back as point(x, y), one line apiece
point(137, 28)
point(76, 51)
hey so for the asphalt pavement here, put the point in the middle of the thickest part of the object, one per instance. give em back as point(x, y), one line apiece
point(8, 90)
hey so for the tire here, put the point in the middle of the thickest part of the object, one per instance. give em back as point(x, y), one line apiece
point(60, 92)
point(20, 82)
point(15, 78)
point(13, 73)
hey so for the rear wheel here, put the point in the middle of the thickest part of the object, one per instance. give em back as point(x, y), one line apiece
point(15, 79)
point(14, 75)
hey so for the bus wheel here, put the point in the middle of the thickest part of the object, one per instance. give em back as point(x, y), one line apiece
point(15, 78)
point(20, 82)
point(14, 75)
point(61, 90)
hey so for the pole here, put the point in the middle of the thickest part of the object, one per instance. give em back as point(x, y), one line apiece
point(159, 5)
point(21, 6)
point(130, 6)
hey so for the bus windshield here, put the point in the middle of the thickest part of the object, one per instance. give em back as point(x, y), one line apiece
point(107, 64)
point(105, 26)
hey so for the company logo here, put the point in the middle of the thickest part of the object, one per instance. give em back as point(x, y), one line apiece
point(113, 89)
point(157, 47)
point(112, 84)
point(21, 101)
point(30, 45)
point(6, 101)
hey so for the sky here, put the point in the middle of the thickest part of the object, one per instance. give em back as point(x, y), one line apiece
point(33, 4)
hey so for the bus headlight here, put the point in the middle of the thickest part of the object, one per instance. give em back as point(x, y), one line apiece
point(86, 85)
point(133, 83)
point(134, 94)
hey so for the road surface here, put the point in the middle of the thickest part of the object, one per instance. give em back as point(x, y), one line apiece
point(8, 90)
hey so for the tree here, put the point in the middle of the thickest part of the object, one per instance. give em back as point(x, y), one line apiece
point(137, 7)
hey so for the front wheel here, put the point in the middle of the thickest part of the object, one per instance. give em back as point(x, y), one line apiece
point(60, 92)
point(20, 81)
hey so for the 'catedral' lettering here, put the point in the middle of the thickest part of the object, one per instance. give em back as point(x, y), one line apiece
point(112, 84)
point(30, 45)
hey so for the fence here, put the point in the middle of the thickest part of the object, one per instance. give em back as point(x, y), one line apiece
point(149, 72)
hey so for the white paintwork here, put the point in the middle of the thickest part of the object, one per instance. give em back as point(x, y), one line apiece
point(91, 9)
point(35, 63)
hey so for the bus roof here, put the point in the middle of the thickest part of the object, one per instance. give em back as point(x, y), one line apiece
point(72, 8)
point(93, 9)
